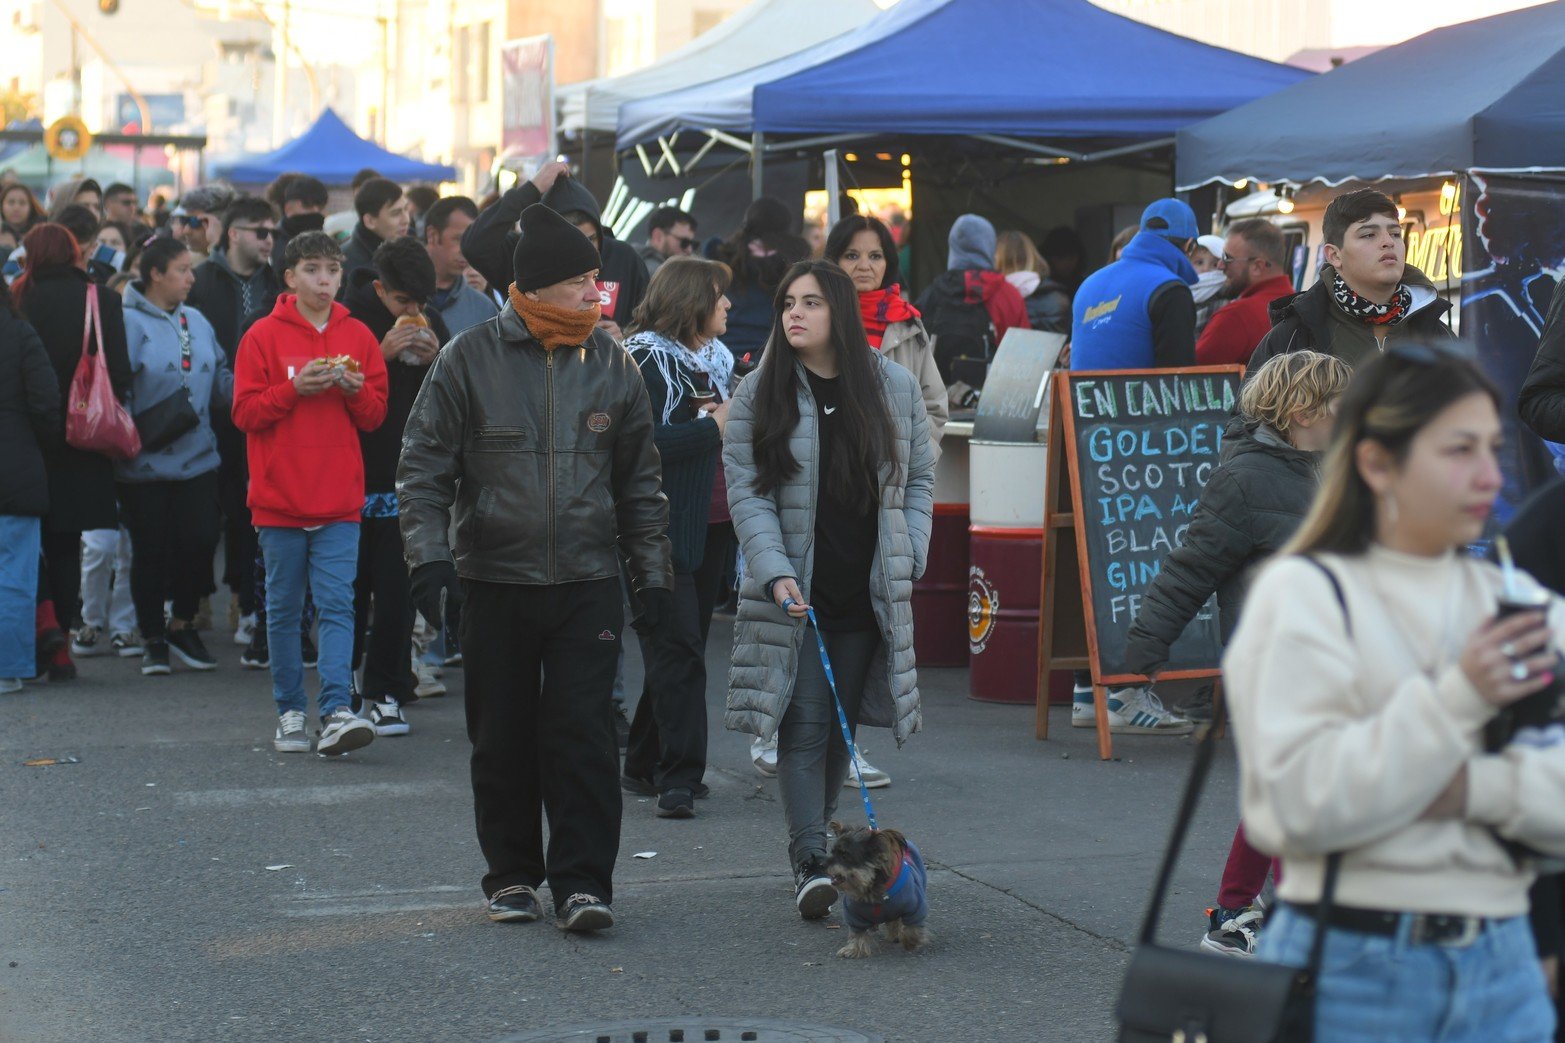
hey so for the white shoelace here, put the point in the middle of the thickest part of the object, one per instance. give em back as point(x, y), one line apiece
point(579, 897)
point(292, 721)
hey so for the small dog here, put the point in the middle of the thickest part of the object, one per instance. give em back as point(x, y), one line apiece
point(882, 879)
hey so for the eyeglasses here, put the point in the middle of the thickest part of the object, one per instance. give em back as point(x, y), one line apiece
point(686, 243)
point(262, 234)
point(190, 221)
point(1227, 260)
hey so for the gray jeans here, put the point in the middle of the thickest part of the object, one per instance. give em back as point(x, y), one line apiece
point(812, 759)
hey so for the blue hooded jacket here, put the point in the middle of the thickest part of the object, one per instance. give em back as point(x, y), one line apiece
point(152, 336)
point(1111, 325)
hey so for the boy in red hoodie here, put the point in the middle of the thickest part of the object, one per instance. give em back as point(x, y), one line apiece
point(307, 379)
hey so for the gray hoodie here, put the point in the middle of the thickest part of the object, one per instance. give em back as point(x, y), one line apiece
point(970, 244)
point(152, 336)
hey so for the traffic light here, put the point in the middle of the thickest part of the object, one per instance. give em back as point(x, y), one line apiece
point(108, 6)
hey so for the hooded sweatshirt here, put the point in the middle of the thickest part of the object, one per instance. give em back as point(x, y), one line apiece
point(306, 467)
point(227, 298)
point(1138, 312)
point(152, 338)
point(970, 279)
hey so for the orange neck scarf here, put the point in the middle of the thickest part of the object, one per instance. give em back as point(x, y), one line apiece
point(553, 326)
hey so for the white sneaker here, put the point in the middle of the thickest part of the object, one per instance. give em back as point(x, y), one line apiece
point(387, 718)
point(343, 730)
point(291, 736)
point(763, 755)
point(88, 642)
point(245, 631)
point(873, 777)
point(428, 685)
point(10, 685)
point(1138, 711)
point(126, 646)
point(1083, 713)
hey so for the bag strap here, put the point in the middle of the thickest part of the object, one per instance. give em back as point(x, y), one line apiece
point(97, 320)
point(1204, 751)
point(87, 317)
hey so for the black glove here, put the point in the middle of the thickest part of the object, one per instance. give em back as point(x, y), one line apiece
point(657, 610)
point(429, 580)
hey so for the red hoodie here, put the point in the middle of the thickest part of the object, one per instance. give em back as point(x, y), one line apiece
point(306, 468)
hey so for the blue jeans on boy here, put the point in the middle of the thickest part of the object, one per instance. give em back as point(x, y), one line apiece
point(19, 541)
point(328, 559)
point(1380, 989)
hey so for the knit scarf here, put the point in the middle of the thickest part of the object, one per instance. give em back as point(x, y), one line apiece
point(1367, 311)
point(553, 326)
point(880, 308)
point(674, 362)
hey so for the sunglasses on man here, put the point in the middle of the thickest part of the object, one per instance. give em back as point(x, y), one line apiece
point(260, 232)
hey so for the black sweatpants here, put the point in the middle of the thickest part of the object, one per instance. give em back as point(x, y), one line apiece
point(539, 673)
point(716, 566)
point(384, 644)
point(239, 540)
point(62, 573)
point(667, 741)
point(173, 530)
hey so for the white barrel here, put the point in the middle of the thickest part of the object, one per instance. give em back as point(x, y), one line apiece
point(1007, 483)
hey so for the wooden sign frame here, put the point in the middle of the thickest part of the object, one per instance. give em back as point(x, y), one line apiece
point(1067, 631)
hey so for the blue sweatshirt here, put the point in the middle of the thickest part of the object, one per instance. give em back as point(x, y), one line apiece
point(905, 899)
point(152, 336)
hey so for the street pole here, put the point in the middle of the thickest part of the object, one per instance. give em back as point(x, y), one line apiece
point(833, 189)
point(385, 79)
point(280, 87)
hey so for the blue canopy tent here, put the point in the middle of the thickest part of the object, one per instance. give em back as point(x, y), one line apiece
point(1033, 69)
point(330, 150)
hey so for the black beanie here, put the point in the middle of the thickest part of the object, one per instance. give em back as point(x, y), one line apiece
point(551, 250)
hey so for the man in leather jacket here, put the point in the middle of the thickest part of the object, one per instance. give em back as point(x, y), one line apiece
point(533, 431)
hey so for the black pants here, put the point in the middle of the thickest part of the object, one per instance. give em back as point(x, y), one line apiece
point(239, 542)
point(668, 733)
point(538, 673)
point(384, 644)
point(173, 529)
point(62, 572)
point(716, 565)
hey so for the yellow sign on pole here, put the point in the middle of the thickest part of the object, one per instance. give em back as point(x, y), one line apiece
point(67, 139)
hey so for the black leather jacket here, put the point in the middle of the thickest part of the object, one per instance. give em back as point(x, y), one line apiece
point(544, 459)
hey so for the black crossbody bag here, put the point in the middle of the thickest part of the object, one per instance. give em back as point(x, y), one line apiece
point(1184, 996)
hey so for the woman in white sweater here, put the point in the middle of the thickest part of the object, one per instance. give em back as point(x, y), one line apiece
point(1359, 723)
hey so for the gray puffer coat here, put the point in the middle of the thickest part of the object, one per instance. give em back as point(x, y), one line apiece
point(777, 534)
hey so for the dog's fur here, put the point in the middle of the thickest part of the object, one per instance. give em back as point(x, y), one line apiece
point(862, 864)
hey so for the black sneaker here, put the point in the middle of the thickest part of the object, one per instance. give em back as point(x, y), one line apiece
point(583, 912)
point(677, 802)
point(256, 655)
point(812, 892)
point(307, 652)
point(621, 728)
point(517, 904)
point(641, 787)
point(154, 658)
point(187, 644)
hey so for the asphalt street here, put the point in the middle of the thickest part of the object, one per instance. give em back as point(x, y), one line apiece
point(185, 882)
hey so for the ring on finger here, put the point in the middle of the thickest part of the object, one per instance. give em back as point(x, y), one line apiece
point(1508, 650)
point(1519, 671)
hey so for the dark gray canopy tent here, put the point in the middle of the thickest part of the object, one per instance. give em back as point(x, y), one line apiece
point(1483, 95)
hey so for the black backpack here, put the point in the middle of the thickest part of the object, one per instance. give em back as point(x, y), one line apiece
point(962, 330)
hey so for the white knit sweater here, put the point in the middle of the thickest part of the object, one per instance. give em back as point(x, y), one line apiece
point(1346, 734)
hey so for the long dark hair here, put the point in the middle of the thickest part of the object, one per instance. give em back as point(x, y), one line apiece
point(865, 434)
point(1392, 398)
point(763, 247)
point(842, 234)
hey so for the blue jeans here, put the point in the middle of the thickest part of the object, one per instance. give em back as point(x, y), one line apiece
point(328, 558)
point(1377, 989)
point(18, 595)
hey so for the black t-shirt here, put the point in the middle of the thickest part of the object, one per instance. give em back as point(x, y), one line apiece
point(845, 533)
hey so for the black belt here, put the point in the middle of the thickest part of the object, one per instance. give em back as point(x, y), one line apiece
point(1427, 928)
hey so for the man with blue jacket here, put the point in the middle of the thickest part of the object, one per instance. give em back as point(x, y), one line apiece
point(1138, 312)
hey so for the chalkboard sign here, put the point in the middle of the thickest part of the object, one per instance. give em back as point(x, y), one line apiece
point(1016, 398)
point(1145, 443)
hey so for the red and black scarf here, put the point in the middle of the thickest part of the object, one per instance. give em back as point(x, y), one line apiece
point(881, 308)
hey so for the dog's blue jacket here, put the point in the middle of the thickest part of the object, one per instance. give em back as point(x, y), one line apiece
point(906, 899)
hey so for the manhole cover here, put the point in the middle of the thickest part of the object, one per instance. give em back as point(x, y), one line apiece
point(695, 1030)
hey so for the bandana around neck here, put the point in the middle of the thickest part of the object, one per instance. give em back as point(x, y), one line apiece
point(553, 326)
point(1366, 310)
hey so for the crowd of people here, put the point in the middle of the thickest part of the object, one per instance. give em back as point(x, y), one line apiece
point(463, 434)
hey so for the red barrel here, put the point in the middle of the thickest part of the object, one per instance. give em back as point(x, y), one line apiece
point(1004, 581)
point(940, 597)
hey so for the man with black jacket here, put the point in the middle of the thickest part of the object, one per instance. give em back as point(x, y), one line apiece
point(303, 205)
point(1542, 399)
point(545, 457)
point(383, 215)
point(1367, 294)
point(397, 287)
point(490, 242)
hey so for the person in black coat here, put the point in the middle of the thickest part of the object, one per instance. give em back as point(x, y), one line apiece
point(51, 294)
point(29, 416)
point(1542, 399)
point(490, 242)
point(1251, 506)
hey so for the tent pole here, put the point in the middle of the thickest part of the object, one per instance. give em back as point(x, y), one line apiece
point(833, 189)
point(757, 155)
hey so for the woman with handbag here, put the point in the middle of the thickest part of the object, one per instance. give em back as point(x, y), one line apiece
point(168, 492)
point(831, 477)
point(1363, 674)
point(29, 416)
point(54, 294)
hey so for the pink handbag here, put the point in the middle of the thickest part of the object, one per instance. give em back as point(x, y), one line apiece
point(94, 419)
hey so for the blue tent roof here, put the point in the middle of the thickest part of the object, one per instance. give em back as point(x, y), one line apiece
point(1484, 94)
point(1029, 68)
point(331, 151)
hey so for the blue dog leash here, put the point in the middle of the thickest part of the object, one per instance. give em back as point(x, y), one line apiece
point(842, 718)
